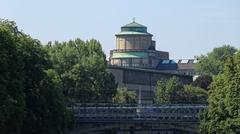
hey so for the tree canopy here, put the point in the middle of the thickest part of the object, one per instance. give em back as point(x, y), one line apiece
point(222, 115)
point(212, 63)
point(12, 100)
point(37, 80)
point(173, 91)
point(123, 96)
point(30, 99)
point(81, 69)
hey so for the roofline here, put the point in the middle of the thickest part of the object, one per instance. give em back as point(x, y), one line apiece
point(144, 69)
point(134, 26)
point(146, 34)
point(140, 25)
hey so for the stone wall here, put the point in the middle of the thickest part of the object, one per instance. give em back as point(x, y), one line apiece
point(133, 42)
point(143, 81)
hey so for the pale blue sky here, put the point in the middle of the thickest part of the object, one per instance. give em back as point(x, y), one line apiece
point(185, 28)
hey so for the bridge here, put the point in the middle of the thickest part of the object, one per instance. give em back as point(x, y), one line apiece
point(163, 119)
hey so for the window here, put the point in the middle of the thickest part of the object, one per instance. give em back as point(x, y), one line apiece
point(125, 64)
point(135, 65)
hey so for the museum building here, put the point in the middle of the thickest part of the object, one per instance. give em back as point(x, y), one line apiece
point(137, 65)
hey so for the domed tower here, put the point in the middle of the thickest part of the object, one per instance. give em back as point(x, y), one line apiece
point(135, 48)
point(134, 36)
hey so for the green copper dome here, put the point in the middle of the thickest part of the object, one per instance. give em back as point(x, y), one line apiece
point(134, 28)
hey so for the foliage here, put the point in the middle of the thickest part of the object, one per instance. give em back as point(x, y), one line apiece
point(212, 63)
point(203, 81)
point(170, 91)
point(12, 94)
point(31, 101)
point(195, 95)
point(222, 115)
point(123, 96)
point(81, 67)
point(173, 91)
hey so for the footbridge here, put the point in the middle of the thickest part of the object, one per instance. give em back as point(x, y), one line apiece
point(172, 118)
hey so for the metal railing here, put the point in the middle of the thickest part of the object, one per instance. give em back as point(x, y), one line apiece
point(136, 113)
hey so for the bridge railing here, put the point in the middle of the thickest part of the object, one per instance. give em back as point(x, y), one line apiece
point(117, 113)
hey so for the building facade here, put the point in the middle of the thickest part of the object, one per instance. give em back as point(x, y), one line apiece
point(137, 65)
point(135, 48)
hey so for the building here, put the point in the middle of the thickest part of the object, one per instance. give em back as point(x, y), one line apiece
point(135, 48)
point(137, 65)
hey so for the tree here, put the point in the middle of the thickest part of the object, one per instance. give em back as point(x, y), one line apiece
point(45, 109)
point(195, 95)
point(12, 94)
point(212, 63)
point(203, 82)
point(81, 67)
point(31, 102)
point(173, 91)
point(123, 96)
point(222, 115)
point(170, 91)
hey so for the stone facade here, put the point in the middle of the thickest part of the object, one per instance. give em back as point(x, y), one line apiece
point(134, 42)
point(143, 81)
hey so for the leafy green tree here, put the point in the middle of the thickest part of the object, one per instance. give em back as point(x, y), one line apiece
point(123, 96)
point(12, 94)
point(222, 115)
point(31, 100)
point(44, 111)
point(195, 95)
point(59, 118)
point(81, 67)
point(170, 91)
point(173, 91)
point(108, 87)
point(212, 63)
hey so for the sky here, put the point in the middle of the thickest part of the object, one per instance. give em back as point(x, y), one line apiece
point(184, 28)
